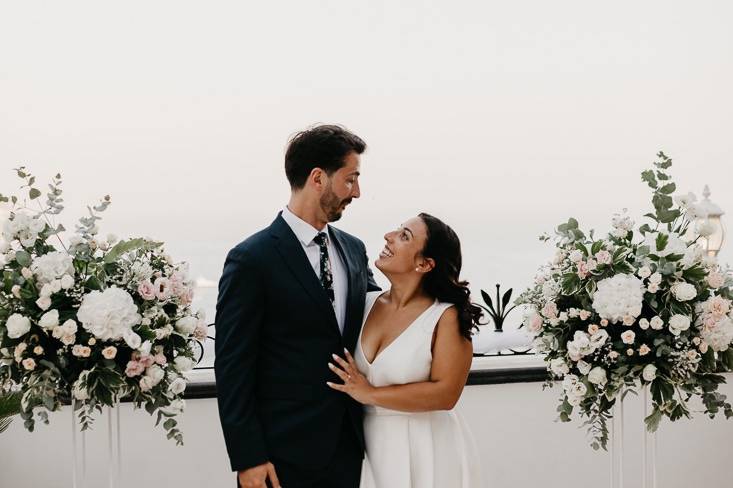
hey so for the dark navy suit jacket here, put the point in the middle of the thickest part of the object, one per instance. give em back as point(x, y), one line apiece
point(275, 333)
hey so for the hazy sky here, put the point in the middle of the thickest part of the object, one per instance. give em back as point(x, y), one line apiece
point(502, 118)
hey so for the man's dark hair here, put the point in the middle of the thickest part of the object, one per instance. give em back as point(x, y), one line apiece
point(322, 146)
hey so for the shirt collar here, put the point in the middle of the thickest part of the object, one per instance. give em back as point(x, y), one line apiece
point(302, 229)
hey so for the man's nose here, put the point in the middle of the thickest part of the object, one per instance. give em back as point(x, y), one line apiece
point(356, 192)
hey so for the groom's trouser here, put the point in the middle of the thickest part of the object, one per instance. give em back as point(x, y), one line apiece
point(343, 471)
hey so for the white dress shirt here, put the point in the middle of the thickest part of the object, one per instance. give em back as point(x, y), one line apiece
point(305, 234)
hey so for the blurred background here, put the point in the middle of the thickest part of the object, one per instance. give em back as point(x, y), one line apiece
point(502, 118)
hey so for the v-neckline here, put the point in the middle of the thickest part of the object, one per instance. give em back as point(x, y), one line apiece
point(366, 319)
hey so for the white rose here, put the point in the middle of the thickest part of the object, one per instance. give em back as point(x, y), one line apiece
point(146, 383)
point(583, 367)
point(643, 324)
point(644, 272)
point(16, 291)
point(559, 367)
point(67, 281)
point(628, 337)
point(678, 323)
point(4, 246)
point(656, 323)
point(131, 339)
point(597, 376)
point(43, 303)
point(156, 373)
point(186, 325)
point(69, 327)
point(576, 255)
point(715, 280)
point(27, 273)
point(177, 386)
point(684, 292)
point(56, 285)
point(163, 332)
point(17, 325)
point(684, 200)
point(50, 319)
point(183, 364)
point(46, 290)
point(144, 349)
point(649, 372)
point(656, 278)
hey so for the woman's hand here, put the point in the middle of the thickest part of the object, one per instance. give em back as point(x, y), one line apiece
point(355, 384)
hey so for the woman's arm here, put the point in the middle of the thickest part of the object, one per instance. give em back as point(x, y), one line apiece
point(452, 355)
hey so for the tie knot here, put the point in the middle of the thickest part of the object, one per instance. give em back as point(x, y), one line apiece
point(321, 238)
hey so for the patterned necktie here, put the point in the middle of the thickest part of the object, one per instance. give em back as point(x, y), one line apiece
point(326, 275)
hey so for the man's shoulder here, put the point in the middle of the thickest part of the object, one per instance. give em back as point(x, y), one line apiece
point(347, 238)
point(253, 245)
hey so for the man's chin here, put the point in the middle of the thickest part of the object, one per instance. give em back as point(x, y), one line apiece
point(334, 216)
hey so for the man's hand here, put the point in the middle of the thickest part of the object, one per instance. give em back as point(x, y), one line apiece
point(256, 477)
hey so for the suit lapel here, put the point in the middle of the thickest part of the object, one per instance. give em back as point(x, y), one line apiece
point(292, 253)
point(352, 279)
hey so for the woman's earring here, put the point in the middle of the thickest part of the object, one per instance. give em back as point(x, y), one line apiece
point(417, 269)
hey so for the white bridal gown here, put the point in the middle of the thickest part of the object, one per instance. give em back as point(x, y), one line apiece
point(413, 450)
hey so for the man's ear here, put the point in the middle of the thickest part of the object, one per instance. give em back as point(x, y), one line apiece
point(317, 177)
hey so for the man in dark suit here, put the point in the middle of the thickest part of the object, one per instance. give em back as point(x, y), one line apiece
point(290, 297)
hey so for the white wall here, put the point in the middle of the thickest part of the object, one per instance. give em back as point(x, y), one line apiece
point(513, 425)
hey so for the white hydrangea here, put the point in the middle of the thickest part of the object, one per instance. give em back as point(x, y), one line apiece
point(52, 266)
point(24, 228)
point(619, 296)
point(110, 315)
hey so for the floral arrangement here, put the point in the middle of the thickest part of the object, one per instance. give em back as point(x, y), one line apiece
point(636, 308)
point(91, 320)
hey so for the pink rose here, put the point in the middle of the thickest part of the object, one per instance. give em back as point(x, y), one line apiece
point(109, 352)
point(603, 257)
point(604, 322)
point(715, 280)
point(162, 288)
point(593, 328)
point(134, 368)
point(644, 350)
point(550, 310)
point(160, 359)
point(146, 290)
point(584, 315)
point(146, 360)
point(201, 331)
point(628, 337)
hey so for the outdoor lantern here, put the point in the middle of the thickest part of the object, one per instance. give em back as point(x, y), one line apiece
point(713, 242)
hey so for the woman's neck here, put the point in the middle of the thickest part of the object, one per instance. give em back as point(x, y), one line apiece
point(405, 291)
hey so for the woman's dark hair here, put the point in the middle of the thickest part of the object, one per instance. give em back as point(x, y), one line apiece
point(442, 282)
point(322, 146)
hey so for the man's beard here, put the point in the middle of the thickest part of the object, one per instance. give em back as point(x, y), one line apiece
point(332, 205)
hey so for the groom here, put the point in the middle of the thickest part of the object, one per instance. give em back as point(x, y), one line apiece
point(290, 296)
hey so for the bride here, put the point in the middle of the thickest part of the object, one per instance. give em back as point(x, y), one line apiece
point(411, 363)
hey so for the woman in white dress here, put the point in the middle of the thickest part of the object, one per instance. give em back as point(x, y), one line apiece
point(411, 363)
